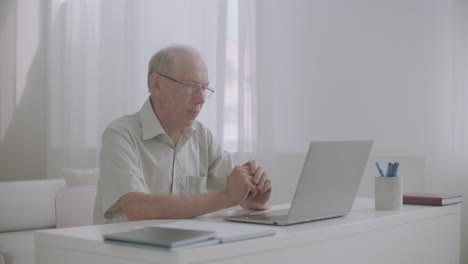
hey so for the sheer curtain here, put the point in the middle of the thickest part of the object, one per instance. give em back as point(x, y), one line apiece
point(22, 86)
point(98, 53)
point(248, 85)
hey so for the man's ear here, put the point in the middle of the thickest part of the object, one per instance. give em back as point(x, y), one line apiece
point(154, 81)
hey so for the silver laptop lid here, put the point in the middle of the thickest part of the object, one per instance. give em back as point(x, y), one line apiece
point(330, 179)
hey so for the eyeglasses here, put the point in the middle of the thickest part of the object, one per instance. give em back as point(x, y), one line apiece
point(193, 88)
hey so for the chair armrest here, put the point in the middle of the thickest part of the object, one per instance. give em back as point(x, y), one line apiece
point(75, 206)
point(28, 204)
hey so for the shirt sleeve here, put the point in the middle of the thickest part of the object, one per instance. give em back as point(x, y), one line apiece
point(120, 171)
point(221, 163)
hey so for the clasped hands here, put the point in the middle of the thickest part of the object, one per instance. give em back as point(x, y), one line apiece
point(249, 186)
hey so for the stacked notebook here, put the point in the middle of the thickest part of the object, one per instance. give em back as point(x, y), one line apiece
point(189, 234)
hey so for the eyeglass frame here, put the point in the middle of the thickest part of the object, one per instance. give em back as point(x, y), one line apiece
point(189, 86)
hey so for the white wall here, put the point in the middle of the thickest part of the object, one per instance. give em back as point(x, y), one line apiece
point(333, 70)
point(348, 69)
point(382, 70)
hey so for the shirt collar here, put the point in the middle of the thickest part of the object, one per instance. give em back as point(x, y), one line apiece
point(150, 124)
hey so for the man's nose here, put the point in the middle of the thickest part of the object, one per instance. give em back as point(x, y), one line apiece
point(199, 97)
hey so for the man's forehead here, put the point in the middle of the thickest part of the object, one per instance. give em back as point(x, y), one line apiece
point(193, 68)
point(188, 59)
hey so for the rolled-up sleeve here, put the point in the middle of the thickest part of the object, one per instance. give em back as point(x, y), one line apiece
point(120, 171)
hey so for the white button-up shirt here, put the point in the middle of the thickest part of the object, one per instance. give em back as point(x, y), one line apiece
point(138, 156)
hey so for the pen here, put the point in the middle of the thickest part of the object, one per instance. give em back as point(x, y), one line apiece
point(388, 169)
point(397, 167)
point(379, 168)
point(392, 170)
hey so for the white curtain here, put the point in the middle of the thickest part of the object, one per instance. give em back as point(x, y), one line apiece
point(248, 85)
point(22, 89)
point(98, 55)
point(69, 67)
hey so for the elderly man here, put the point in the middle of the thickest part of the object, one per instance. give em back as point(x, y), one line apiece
point(162, 163)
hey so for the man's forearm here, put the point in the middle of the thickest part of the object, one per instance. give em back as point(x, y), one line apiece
point(141, 206)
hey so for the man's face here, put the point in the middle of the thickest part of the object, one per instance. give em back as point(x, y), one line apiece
point(177, 107)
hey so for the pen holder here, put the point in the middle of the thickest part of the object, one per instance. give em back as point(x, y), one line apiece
point(388, 193)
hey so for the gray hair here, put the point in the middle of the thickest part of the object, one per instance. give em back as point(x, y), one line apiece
point(164, 61)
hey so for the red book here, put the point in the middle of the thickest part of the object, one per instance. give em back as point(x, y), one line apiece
point(431, 198)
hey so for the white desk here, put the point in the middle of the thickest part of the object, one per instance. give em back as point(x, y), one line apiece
point(415, 234)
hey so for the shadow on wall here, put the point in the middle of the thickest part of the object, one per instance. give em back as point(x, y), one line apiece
point(23, 148)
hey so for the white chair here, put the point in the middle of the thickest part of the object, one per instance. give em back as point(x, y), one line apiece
point(74, 206)
point(80, 177)
point(25, 207)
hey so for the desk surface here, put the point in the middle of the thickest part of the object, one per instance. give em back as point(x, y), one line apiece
point(362, 218)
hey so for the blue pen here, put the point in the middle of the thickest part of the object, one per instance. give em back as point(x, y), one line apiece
point(392, 170)
point(388, 170)
point(379, 168)
point(397, 167)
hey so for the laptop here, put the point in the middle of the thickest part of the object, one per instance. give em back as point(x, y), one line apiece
point(327, 186)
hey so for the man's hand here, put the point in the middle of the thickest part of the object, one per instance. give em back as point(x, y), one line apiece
point(239, 185)
point(260, 197)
